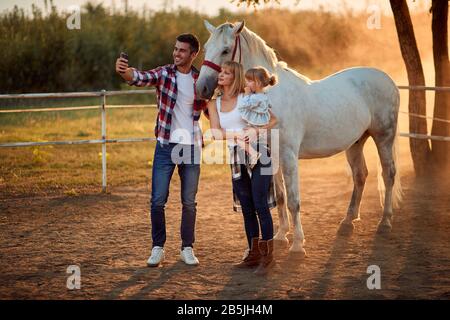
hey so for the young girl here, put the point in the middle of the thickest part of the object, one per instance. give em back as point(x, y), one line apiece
point(254, 108)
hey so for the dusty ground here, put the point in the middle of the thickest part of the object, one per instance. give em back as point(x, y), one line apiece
point(108, 236)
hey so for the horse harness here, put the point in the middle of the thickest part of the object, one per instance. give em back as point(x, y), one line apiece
point(216, 67)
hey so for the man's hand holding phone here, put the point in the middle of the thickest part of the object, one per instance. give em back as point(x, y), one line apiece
point(122, 67)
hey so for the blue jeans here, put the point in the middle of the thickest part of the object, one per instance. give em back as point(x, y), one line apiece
point(189, 172)
point(252, 194)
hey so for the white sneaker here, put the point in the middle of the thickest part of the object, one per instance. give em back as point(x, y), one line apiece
point(187, 255)
point(156, 257)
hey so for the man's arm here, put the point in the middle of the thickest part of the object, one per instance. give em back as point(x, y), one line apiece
point(135, 77)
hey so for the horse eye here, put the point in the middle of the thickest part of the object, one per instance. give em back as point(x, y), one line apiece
point(226, 51)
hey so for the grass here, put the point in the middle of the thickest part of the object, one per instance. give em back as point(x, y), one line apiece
point(73, 167)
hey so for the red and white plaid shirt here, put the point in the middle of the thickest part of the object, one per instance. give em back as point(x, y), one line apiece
point(164, 79)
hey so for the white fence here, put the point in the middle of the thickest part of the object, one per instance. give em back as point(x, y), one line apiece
point(424, 136)
point(103, 94)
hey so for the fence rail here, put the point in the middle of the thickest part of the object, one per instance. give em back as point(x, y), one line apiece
point(102, 107)
point(103, 141)
point(424, 88)
point(74, 94)
point(78, 108)
point(424, 117)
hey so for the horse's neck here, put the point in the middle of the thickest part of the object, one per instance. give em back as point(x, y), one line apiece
point(290, 75)
point(253, 53)
point(253, 60)
point(254, 57)
point(281, 70)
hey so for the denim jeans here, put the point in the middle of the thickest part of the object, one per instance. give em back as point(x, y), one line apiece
point(252, 194)
point(189, 172)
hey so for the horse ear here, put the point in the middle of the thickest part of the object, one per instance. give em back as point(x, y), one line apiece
point(238, 28)
point(209, 26)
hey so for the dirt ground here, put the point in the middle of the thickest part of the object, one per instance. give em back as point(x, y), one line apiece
point(108, 236)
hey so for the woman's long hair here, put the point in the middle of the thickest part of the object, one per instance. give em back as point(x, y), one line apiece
point(238, 84)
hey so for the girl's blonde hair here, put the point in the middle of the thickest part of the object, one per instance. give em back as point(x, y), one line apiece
point(238, 84)
point(261, 75)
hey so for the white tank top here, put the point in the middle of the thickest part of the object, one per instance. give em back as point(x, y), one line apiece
point(231, 120)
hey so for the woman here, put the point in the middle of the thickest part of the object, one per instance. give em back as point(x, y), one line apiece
point(252, 186)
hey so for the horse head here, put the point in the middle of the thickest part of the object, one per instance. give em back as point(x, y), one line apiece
point(221, 46)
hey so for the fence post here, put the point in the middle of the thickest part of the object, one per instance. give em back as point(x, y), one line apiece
point(103, 96)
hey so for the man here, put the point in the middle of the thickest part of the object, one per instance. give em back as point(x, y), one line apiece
point(178, 135)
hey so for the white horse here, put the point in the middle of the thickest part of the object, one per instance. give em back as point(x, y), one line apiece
point(317, 119)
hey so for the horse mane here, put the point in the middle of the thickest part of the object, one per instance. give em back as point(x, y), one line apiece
point(257, 44)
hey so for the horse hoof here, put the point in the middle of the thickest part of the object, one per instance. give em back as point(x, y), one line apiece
point(297, 255)
point(297, 250)
point(346, 229)
point(281, 243)
point(384, 228)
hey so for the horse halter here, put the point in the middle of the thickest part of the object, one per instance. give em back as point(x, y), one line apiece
point(216, 67)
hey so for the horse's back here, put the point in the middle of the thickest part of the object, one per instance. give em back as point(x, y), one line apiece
point(360, 73)
point(343, 106)
point(378, 91)
point(357, 88)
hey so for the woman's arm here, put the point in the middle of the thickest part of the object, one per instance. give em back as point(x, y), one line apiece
point(251, 133)
point(272, 122)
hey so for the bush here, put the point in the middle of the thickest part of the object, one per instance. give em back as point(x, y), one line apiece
point(42, 55)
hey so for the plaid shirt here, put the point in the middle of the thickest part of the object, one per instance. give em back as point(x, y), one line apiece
point(238, 157)
point(164, 79)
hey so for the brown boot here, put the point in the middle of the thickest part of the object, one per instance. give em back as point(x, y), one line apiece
point(253, 258)
point(267, 262)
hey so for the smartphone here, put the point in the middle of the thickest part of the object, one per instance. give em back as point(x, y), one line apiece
point(124, 55)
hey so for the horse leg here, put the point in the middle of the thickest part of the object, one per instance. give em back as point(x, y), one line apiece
point(283, 219)
point(385, 143)
point(355, 158)
point(290, 174)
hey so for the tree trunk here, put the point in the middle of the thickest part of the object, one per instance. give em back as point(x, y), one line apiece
point(441, 149)
point(420, 149)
